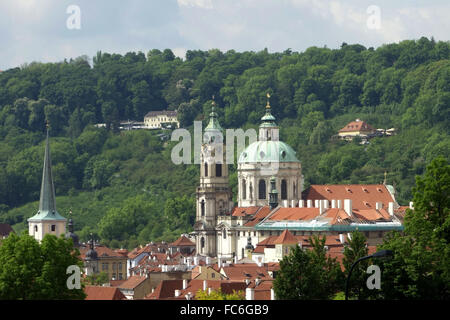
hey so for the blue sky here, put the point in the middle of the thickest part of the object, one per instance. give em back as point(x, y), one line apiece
point(35, 30)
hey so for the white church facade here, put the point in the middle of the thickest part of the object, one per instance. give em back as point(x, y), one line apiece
point(271, 198)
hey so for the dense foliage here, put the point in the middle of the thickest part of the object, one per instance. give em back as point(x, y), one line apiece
point(308, 274)
point(30, 270)
point(420, 268)
point(102, 175)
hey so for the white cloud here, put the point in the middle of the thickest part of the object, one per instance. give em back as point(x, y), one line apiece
point(204, 4)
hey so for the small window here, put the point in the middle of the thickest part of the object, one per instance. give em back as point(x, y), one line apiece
point(35, 228)
point(202, 208)
point(206, 169)
point(120, 276)
point(224, 232)
point(53, 228)
point(262, 189)
point(213, 275)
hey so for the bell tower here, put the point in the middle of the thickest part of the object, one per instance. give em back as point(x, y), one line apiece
point(213, 195)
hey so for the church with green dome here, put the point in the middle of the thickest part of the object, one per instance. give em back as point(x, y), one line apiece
point(265, 158)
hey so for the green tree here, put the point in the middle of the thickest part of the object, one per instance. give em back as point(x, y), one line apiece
point(356, 248)
point(219, 295)
point(29, 270)
point(420, 268)
point(308, 274)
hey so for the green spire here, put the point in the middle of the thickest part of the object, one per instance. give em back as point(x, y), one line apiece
point(47, 203)
point(213, 124)
point(268, 120)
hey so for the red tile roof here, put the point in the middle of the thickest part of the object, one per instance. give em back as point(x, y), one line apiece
point(132, 282)
point(295, 214)
point(244, 211)
point(286, 238)
point(103, 293)
point(357, 126)
point(182, 242)
point(240, 272)
point(259, 216)
point(166, 289)
point(102, 251)
point(361, 195)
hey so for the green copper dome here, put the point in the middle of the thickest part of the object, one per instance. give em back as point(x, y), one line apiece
point(213, 124)
point(268, 151)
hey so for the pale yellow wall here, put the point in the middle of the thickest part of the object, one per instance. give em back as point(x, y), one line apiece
point(45, 228)
point(110, 266)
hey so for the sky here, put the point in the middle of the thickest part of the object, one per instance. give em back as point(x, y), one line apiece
point(52, 30)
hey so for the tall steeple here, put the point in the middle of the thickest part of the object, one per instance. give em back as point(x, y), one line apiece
point(47, 199)
point(47, 219)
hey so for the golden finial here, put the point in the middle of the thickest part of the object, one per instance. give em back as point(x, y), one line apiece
point(268, 102)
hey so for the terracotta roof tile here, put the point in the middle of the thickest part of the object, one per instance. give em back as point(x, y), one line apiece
point(375, 193)
point(132, 282)
point(286, 238)
point(103, 293)
point(357, 126)
point(182, 241)
point(244, 211)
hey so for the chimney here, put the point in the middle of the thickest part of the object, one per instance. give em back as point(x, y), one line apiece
point(301, 203)
point(249, 294)
point(177, 293)
point(247, 281)
point(259, 263)
point(188, 296)
point(341, 238)
point(349, 236)
point(257, 280)
point(411, 205)
point(391, 208)
point(348, 206)
point(339, 204)
point(321, 209)
point(333, 203)
point(204, 285)
point(293, 203)
point(379, 205)
point(219, 263)
point(272, 294)
point(316, 203)
point(209, 290)
point(326, 204)
point(235, 259)
point(285, 203)
point(185, 284)
point(309, 203)
point(208, 261)
point(195, 260)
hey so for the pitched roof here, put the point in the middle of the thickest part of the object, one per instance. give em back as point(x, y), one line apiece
point(357, 125)
point(165, 289)
point(244, 211)
point(103, 293)
point(363, 196)
point(259, 216)
point(132, 282)
point(286, 238)
point(102, 252)
point(245, 271)
point(182, 241)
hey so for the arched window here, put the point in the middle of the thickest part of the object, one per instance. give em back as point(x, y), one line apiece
point(244, 189)
point(218, 170)
point(202, 208)
point(206, 169)
point(35, 228)
point(262, 189)
point(283, 189)
point(224, 233)
point(202, 243)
